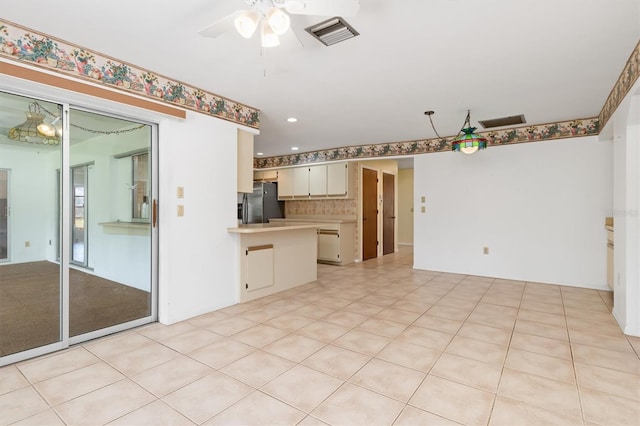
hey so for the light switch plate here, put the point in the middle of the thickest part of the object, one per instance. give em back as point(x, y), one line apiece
point(423, 199)
point(180, 210)
point(423, 209)
point(180, 192)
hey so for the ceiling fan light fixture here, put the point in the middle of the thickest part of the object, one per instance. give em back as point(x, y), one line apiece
point(278, 20)
point(269, 38)
point(246, 23)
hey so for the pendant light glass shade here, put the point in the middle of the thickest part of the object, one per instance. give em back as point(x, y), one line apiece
point(278, 20)
point(30, 132)
point(246, 23)
point(269, 38)
point(468, 142)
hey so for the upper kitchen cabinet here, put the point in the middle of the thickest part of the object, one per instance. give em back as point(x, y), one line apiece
point(315, 182)
point(338, 179)
point(245, 161)
point(285, 183)
point(265, 175)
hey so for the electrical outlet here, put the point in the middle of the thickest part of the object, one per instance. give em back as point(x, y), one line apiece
point(485, 250)
point(180, 210)
point(27, 244)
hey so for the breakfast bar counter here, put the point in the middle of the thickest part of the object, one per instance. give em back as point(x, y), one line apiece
point(275, 257)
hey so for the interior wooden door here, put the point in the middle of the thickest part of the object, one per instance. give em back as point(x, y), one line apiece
point(388, 213)
point(369, 214)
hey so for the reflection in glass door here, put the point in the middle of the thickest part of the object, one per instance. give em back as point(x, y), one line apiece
point(111, 278)
point(30, 283)
point(77, 226)
point(79, 235)
point(4, 215)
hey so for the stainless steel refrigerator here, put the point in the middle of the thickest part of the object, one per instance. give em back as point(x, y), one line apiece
point(262, 204)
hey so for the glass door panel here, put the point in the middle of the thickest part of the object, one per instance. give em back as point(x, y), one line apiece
point(110, 280)
point(30, 274)
point(78, 212)
point(4, 215)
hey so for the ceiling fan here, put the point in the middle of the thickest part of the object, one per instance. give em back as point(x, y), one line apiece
point(272, 17)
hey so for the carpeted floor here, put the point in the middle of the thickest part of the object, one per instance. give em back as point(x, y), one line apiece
point(30, 304)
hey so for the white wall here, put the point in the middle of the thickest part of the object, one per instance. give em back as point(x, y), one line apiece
point(32, 200)
point(624, 127)
point(198, 257)
point(538, 207)
point(405, 206)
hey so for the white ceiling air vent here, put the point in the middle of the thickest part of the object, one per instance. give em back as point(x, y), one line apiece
point(503, 121)
point(332, 31)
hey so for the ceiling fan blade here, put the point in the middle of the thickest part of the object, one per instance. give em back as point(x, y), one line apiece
point(321, 7)
point(220, 26)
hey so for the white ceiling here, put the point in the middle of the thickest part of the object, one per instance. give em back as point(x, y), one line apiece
point(551, 60)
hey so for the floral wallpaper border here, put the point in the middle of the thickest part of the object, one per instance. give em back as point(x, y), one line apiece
point(25, 45)
point(539, 133)
point(627, 79)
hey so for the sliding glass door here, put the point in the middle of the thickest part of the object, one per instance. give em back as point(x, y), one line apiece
point(77, 225)
point(110, 279)
point(31, 295)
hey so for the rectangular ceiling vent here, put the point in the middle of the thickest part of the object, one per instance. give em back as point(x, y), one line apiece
point(503, 121)
point(332, 31)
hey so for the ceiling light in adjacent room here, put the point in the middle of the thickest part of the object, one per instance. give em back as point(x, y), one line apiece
point(292, 120)
point(259, 153)
point(294, 148)
point(29, 131)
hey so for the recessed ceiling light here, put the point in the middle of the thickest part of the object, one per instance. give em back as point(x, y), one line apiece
point(294, 148)
point(292, 120)
point(259, 153)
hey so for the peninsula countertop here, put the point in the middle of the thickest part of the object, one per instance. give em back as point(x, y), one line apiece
point(256, 228)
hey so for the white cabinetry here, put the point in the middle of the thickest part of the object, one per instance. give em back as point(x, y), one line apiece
point(301, 181)
point(315, 182)
point(336, 243)
point(337, 179)
point(265, 175)
point(285, 183)
point(245, 161)
point(259, 267)
point(318, 181)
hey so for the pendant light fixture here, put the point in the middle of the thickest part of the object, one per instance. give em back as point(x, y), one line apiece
point(468, 142)
point(34, 130)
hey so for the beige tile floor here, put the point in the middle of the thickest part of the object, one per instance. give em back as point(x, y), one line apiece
point(375, 343)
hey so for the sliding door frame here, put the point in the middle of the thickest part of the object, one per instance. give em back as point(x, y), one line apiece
point(78, 101)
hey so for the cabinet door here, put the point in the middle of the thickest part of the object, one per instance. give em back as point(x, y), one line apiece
point(301, 181)
point(318, 180)
point(329, 245)
point(285, 183)
point(337, 177)
point(259, 267)
point(245, 161)
point(270, 175)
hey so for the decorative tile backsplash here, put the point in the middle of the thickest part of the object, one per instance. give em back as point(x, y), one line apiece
point(24, 45)
point(321, 208)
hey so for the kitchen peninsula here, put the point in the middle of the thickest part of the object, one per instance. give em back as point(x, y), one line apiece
point(275, 257)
